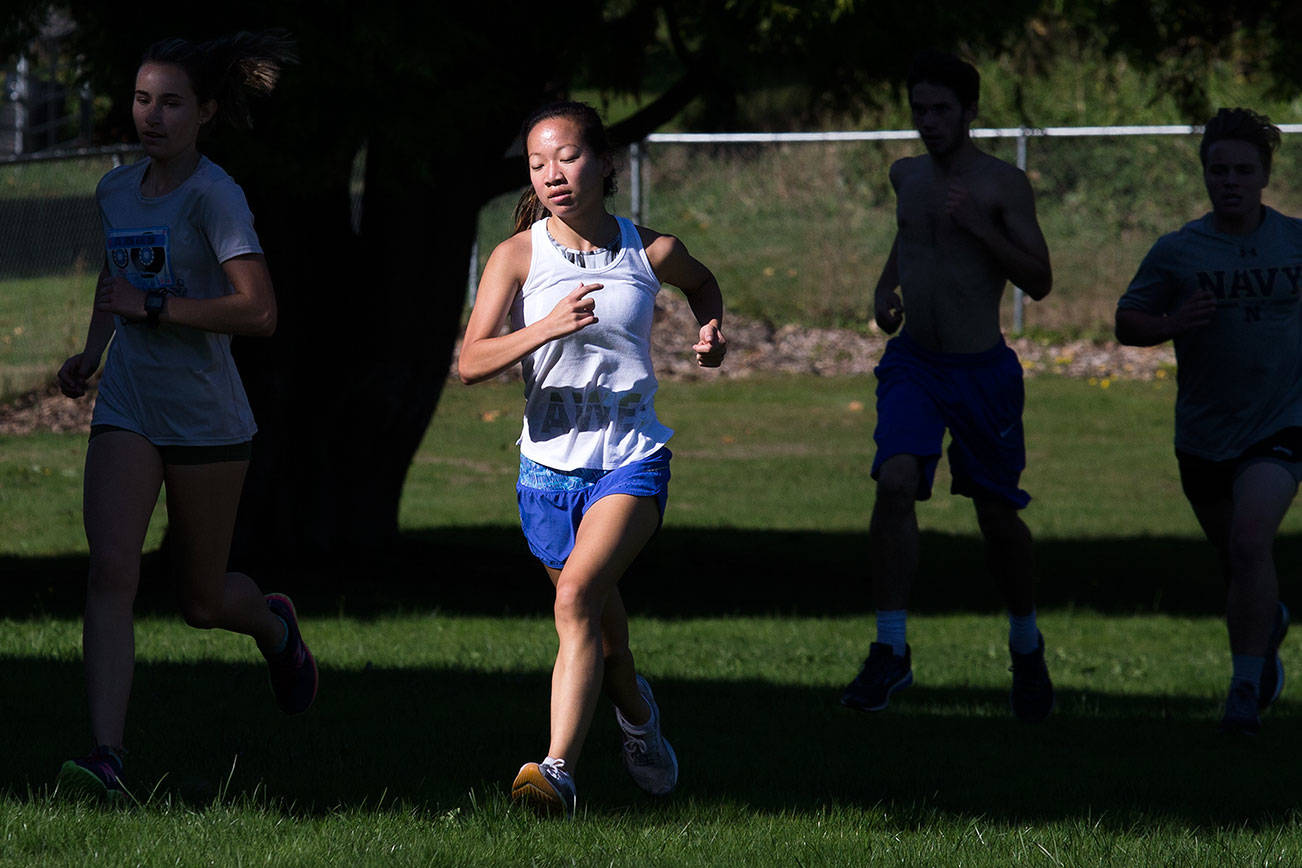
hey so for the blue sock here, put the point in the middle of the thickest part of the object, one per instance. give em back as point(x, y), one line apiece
point(1023, 635)
point(1248, 668)
point(891, 629)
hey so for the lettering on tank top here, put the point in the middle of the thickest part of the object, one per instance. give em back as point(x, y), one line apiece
point(567, 410)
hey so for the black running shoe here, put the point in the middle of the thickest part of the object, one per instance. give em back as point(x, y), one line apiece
point(293, 669)
point(97, 775)
point(1032, 694)
point(883, 673)
point(1241, 709)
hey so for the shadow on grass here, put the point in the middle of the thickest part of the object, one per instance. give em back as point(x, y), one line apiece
point(430, 738)
point(438, 740)
point(688, 572)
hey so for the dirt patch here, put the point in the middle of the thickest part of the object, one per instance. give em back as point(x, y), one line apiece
point(754, 347)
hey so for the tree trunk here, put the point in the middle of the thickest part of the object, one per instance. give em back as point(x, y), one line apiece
point(344, 391)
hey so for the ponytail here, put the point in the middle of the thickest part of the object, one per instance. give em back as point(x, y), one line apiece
point(528, 211)
point(229, 69)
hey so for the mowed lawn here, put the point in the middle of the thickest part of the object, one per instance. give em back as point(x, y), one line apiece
point(750, 612)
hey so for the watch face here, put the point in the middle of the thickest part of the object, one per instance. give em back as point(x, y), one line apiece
point(154, 301)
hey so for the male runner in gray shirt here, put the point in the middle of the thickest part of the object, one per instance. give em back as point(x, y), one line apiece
point(1224, 289)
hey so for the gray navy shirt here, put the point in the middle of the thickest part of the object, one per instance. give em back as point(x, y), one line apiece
point(1240, 376)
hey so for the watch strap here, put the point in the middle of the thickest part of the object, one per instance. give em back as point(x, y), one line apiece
point(154, 302)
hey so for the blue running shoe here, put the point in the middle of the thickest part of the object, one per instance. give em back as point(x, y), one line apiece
point(97, 776)
point(1032, 695)
point(545, 788)
point(1272, 674)
point(650, 760)
point(883, 673)
point(1241, 709)
point(293, 669)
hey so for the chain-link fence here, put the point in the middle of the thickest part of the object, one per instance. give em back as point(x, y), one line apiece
point(796, 231)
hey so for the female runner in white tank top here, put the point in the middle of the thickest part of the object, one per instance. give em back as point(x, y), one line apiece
point(571, 297)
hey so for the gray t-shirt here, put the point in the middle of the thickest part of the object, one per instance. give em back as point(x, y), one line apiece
point(174, 384)
point(1240, 376)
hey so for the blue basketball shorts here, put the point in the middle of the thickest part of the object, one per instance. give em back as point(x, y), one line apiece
point(553, 502)
point(978, 397)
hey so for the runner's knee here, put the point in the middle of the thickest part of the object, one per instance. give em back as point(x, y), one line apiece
point(114, 569)
point(897, 481)
point(577, 602)
point(1249, 545)
point(1000, 524)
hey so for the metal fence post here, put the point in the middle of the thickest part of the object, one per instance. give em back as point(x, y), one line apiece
point(472, 277)
point(18, 95)
point(635, 181)
point(1019, 297)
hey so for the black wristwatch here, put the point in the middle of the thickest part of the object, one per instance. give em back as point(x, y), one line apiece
point(154, 302)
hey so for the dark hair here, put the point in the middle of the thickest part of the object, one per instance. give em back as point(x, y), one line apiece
point(1241, 125)
point(528, 210)
point(946, 70)
point(229, 69)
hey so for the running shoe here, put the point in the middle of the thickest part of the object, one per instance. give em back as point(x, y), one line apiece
point(98, 775)
point(883, 673)
point(1272, 674)
point(545, 788)
point(1241, 709)
point(1032, 695)
point(647, 755)
point(293, 670)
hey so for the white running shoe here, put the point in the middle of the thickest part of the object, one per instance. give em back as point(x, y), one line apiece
point(647, 755)
point(545, 788)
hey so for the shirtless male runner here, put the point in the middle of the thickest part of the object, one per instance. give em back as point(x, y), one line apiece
point(966, 226)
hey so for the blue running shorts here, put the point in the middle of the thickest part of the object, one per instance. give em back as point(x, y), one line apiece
point(553, 502)
point(977, 396)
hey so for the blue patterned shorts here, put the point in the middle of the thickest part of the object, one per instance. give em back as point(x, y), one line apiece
point(553, 502)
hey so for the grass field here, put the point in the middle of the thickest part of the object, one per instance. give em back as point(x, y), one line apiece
point(799, 232)
point(796, 233)
point(749, 615)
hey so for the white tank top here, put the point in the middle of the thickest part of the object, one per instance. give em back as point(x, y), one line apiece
point(590, 396)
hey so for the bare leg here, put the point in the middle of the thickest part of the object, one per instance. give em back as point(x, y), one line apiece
point(1214, 518)
point(619, 683)
point(122, 481)
point(1009, 554)
point(893, 532)
point(202, 500)
point(612, 532)
point(1262, 495)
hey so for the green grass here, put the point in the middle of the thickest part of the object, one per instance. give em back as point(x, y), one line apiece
point(749, 614)
point(796, 233)
point(799, 232)
point(770, 453)
point(424, 717)
point(793, 454)
point(44, 321)
point(73, 177)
